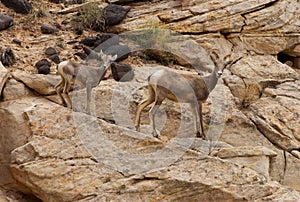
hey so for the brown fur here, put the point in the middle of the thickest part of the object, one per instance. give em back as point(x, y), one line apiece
point(86, 75)
point(183, 88)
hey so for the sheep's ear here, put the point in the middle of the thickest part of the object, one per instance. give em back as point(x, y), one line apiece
point(101, 53)
point(114, 57)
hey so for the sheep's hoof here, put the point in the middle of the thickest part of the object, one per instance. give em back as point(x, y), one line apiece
point(154, 133)
point(199, 135)
point(137, 128)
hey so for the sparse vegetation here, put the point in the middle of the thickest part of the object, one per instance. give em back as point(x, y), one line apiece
point(250, 93)
point(155, 42)
point(89, 17)
point(40, 10)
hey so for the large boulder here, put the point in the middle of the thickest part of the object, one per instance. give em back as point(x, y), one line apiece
point(66, 149)
point(19, 6)
point(114, 14)
point(42, 84)
point(251, 117)
point(122, 51)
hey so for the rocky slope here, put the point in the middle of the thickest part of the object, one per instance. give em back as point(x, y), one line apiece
point(252, 151)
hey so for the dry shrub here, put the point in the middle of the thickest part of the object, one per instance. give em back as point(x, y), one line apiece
point(155, 42)
point(89, 17)
point(250, 93)
point(41, 10)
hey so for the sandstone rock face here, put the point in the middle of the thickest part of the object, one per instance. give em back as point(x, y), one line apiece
point(55, 155)
point(256, 158)
point(252, 150)
point(42, 84)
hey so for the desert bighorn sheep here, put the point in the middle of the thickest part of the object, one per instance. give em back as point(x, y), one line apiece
point(182, 88)
point(87, 75)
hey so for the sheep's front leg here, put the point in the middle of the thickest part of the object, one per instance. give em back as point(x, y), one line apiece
point(197, 112)
point(202, 134)
point(88, 97)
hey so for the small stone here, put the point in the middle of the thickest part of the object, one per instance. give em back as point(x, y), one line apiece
point(65, 22)
point(42, 62)
point(57, 1)
point(72, 42)
point(17, 41)
point(89, 41)
point(45, 29)
point(73, 1)
point(51, 51)
point(77, 47)
point(55, 58)
point(45, 69)
point(106, 40)
point(83, 56)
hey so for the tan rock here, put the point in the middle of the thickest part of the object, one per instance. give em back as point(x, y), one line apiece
point(174, 15)
point(2, 196)
point(224, 182)
point(256, 158)
point(15, 90)
point(269, 43)
point(14, 133)
point(4, 74)
point(291, 175)
point(56, 164)
point(42, 84)
point(60, 155)
point(247, 84)
point(267, 115)
point(280, 115)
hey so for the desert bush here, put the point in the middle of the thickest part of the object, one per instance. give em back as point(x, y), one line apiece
point(40, 10)
point(89, 17)
point(250, 93)
point(155, 42)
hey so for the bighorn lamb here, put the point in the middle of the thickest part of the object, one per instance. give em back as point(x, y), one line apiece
point(89, 76)
point(182, 88)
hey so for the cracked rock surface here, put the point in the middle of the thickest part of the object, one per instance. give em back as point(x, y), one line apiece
point(252, 151)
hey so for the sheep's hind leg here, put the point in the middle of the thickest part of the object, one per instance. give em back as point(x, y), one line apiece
point(152, 113)
point(66, 94)
point(141, 106)
point(195, 111)
point(58, 89)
